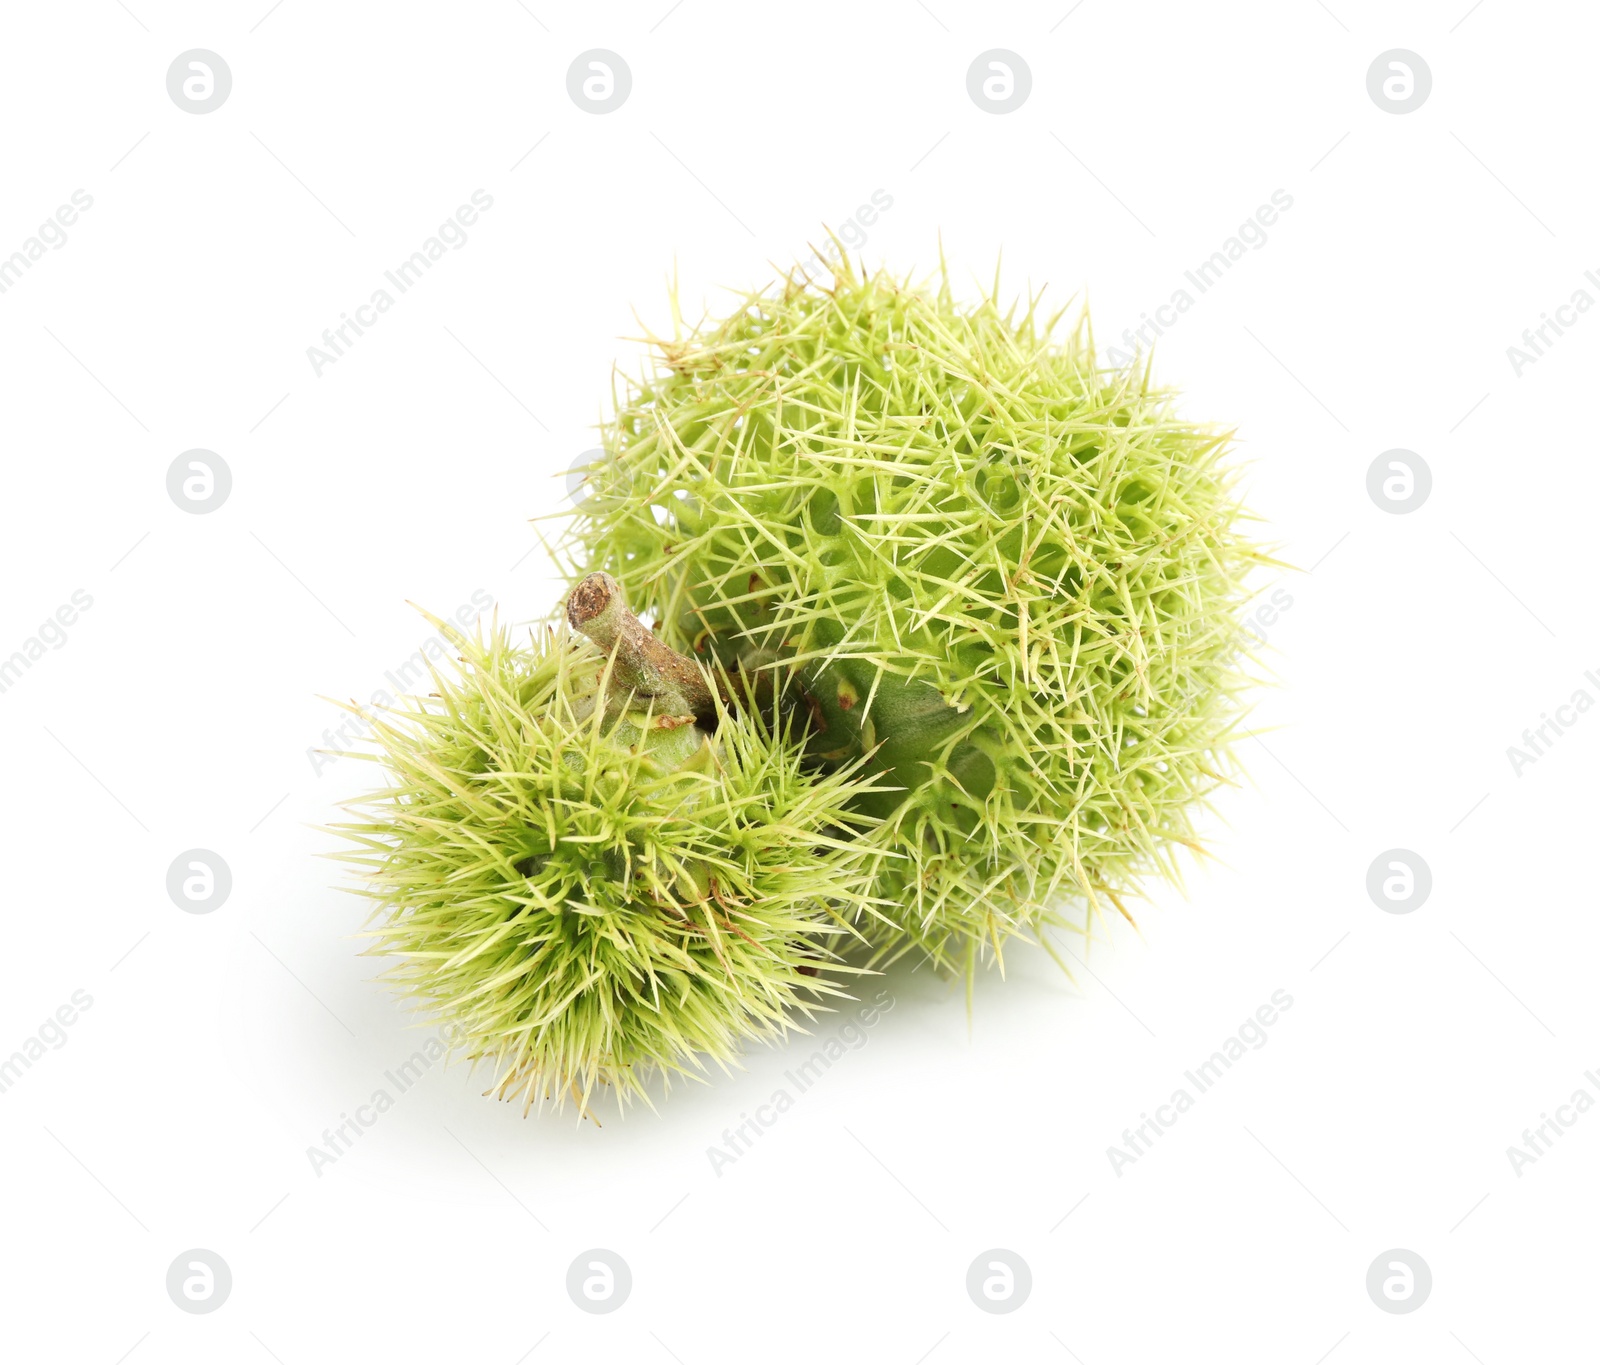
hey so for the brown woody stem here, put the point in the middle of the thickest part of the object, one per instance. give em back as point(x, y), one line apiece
point(642, 664)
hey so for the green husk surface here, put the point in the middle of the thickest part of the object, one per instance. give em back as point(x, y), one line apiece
point(1005, 575)
point(586, 893)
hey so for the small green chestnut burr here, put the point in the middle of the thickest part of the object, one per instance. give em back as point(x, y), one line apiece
point(592, 871)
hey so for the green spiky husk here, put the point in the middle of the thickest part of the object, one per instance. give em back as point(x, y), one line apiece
point(1009, 575)
point(588, 896)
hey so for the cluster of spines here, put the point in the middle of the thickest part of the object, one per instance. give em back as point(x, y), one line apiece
point(575, 915)
point(1038, 538)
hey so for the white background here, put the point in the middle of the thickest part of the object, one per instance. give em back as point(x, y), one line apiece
point(182, 709)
